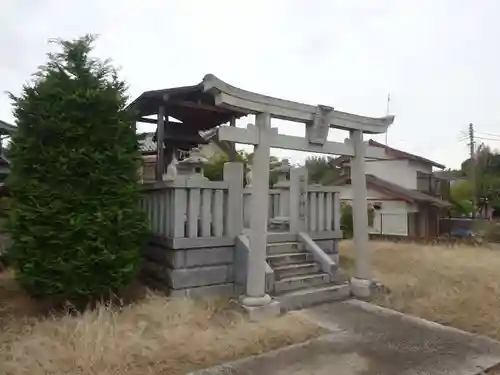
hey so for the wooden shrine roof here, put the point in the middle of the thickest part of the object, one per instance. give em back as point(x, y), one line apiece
point(191, 105)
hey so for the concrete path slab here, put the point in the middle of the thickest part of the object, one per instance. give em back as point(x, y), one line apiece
point(369, 340)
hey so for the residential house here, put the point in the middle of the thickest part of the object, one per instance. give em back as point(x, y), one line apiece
point(6, 131)
point(404, 195)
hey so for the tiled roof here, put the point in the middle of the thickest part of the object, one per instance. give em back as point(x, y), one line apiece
point(398, 191)
point(393, 152)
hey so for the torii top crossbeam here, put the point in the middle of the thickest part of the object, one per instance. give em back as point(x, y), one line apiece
point(215, 102)
point(231, 97)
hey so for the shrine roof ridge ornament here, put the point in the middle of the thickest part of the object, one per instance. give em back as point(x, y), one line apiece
point(232, 97)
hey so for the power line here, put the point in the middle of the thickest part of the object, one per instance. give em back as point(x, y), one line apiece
point(489, 139)
point(490, 134)
point(462, 136)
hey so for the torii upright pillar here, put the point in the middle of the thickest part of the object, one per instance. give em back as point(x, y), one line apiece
point(255, 296)
point(361, 283)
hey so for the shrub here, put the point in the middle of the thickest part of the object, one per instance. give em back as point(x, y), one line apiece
point(346, 219)
point(492, 232)
point(346, 223)
point(75, 221)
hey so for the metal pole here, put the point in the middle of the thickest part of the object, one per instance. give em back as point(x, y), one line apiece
point(387, 114)
point(472, 166)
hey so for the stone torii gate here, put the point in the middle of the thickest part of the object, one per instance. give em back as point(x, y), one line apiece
point(318, 120)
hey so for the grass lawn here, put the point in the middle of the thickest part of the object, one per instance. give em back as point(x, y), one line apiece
point(454, 286)
point(152, 336)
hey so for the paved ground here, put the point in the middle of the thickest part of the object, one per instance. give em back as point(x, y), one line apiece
point(369, 340)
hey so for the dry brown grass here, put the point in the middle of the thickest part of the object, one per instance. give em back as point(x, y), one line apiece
point(455, 286)
point(153, 336)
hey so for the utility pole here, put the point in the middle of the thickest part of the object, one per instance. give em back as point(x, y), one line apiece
point(472, 173)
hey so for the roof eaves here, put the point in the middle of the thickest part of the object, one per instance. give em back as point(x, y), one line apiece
point(164, 93)
point(406, 155)
point(6, 128)
point(397, 191)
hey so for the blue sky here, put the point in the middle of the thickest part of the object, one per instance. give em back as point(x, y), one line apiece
point(438, 59)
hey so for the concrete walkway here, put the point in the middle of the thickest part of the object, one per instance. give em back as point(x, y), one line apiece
point(370, 340)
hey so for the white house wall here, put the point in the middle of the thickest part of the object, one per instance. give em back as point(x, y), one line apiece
point(402, 172)
point(421, 167)
point(391, 219)
point(396, 171)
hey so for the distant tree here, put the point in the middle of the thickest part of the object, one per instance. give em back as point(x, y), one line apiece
point(76, 224)
point(346, 219)
point(461, 198)
point(321, 170)
point(487, 176)
point(214, 170)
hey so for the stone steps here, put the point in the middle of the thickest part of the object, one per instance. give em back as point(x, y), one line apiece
point(311, 296)
point(289, 258)
point(292, 283)
point(290, 270)
point(299, 281)
point(284, 248)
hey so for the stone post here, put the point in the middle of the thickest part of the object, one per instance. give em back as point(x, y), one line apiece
point(255, 296)
point(361, 282)
point(233, 173)
point(283, 185)
point(298, 199)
